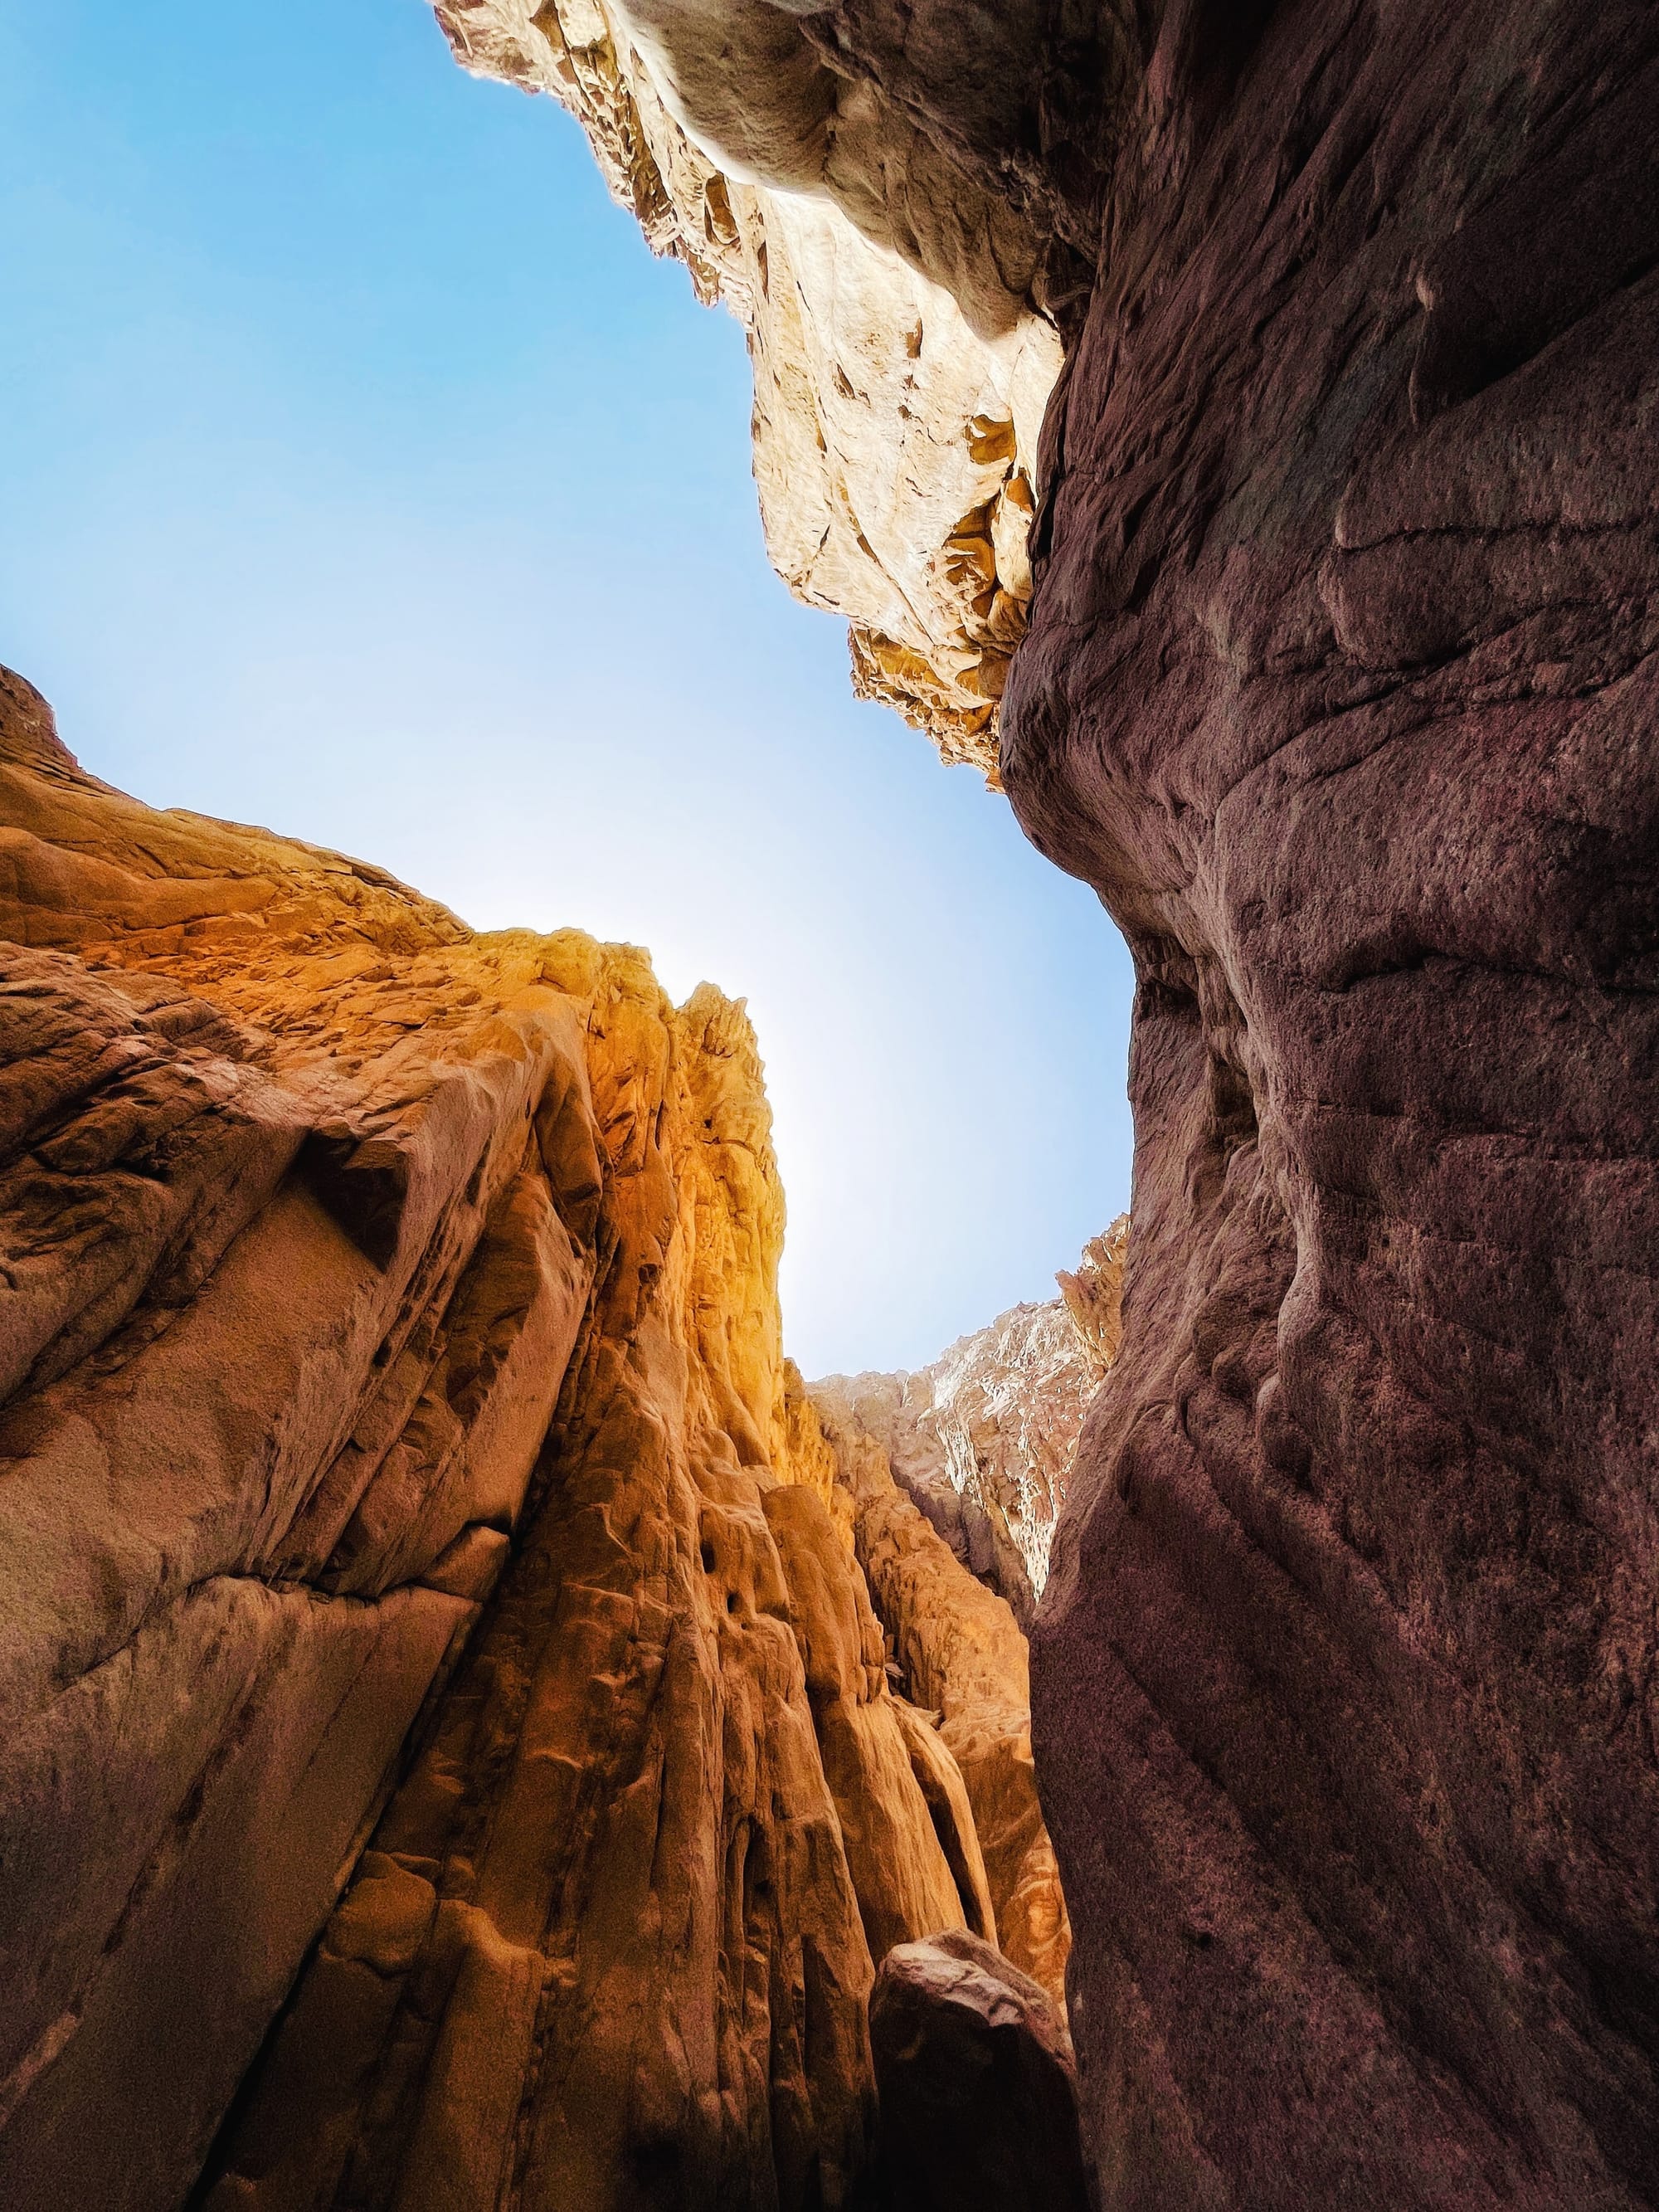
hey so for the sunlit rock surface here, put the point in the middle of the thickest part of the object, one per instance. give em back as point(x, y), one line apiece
point(984, 1439)
point(412, 1536)
point(1338, 684)
point(901, 364)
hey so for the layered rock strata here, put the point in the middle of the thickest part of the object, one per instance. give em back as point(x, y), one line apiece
point(983, 1440)
point(1339, 687)
point(412, 1532)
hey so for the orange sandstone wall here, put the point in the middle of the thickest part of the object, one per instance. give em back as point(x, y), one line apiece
point(422, 1575)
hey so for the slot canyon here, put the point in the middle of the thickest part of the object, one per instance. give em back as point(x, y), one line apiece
point(482, 1732)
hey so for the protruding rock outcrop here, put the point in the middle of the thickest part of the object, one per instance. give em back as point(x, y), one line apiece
point(984, 1439)
point(977, 2082)
point(902, 362)
point(412, 1532)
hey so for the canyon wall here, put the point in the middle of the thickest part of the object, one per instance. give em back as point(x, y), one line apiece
point(983, 1440)
point(960, 1656)
point(1338, 684)
point(432, 1618)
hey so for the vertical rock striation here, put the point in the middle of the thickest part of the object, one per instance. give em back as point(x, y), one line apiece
point(423, 1575)
point(960, 1656)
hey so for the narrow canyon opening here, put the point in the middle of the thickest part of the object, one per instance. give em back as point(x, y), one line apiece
point(482, 1732)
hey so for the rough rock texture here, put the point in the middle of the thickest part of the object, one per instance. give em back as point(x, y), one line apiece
point(960, 1656)
point(983, 1440)
point(1340, 687)
point(900, 367)
point(977, 2083)
point(395, 1454)
point(1094, 1295)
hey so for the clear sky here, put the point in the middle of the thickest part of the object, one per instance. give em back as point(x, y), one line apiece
point(363, 476)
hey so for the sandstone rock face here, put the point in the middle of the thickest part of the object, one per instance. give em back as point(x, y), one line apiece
point(903, 1867)
point(1339, 687)
point(977, 2083)
point(960, 1657)
point(901, 362)
point(301, 1188)
point(983, 1440)
point(412, 1532)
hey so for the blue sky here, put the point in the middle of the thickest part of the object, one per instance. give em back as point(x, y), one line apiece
point(364, 476)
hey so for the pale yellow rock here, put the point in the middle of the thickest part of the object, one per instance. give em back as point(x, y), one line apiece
point(901, 365)
point(962, 1656)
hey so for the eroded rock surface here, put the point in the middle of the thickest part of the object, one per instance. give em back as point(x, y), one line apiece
point(411, 1531)
point(960, 1656)
point(902, 358)
point(1341, 687)
point(984, 1439)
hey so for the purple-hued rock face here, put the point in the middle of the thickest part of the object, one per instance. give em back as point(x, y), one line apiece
point(1341, 688)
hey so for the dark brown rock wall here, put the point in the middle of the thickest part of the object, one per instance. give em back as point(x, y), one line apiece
point(977, 2082)
point(1340, 687)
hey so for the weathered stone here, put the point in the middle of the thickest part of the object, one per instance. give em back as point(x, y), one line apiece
point(959, 1654)
point(904, 1870)
point(411, 1525)
point(901, 364)
point(978, 2088)
point(1338, 688)
point(983, 1440)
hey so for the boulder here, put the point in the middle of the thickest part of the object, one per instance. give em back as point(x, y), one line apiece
point(978, 2088)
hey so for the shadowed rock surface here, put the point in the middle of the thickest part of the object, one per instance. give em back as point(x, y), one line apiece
point(977, 2083)
point(1341, 688)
